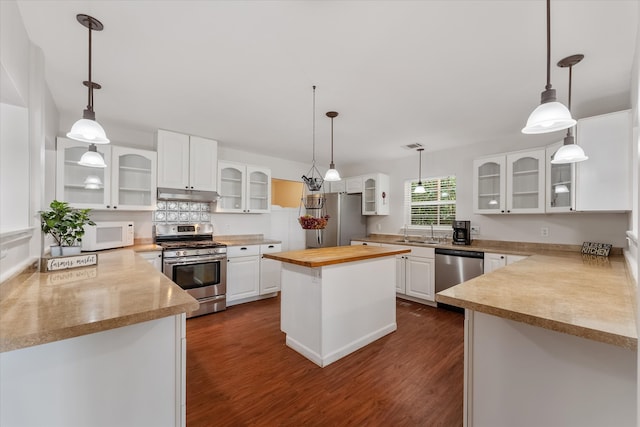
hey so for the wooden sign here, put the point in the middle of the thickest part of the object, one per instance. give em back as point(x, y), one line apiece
point(67, 262)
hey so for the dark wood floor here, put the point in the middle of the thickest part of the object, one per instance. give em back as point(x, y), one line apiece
point(241, 373)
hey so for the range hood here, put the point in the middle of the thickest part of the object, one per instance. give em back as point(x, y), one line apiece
point(187, 195)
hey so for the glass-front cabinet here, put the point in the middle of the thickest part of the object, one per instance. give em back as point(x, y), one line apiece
point(243, 188)
point(375, 192)
point(510, 183)
point(560, 189)
point(127, 183)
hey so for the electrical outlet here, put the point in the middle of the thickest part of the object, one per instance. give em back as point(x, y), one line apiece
point(379, 227)
point(544, 231)
point(475, 229)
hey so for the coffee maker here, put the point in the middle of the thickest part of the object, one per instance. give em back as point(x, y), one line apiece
point(461, 232)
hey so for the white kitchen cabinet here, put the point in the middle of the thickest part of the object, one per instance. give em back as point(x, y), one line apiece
point(603, 182)
point(336, 186)
point(127, 183)
point(358, 243)
point(494, 261)
point(510, 183)
point(375, 193)
point(243, 188)
point(560, 183)
point(154, 258)
point(186, 162)
point(353, 184)
point(243, 273)
point(269, 269)
point(415, 273)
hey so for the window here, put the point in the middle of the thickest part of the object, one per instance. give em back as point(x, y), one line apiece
point(437, 205)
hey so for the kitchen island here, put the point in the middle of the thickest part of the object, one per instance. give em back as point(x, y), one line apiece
point(550, 340)
point(101, 345)
point(337, 300)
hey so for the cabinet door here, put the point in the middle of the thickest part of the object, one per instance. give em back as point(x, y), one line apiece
point(400, 274)
point(173, 160)
point(154, 258)
point(243, 277)
point(258, 190)
point(493, 262)
point(560, 187)
point(82, 186)
point(353, 184)
point(337, 186)
point(603, 183)
point(232, 184)
point(419, 280)
point(514, 258)
point(133, 179)
point(369, 195)
point(525, 182)
point(203, 163)
point(489, 185)
point(269, 270)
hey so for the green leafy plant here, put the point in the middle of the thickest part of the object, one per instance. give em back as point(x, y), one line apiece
point(64, 223)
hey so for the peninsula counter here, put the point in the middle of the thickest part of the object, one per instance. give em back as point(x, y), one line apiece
point(337, 300)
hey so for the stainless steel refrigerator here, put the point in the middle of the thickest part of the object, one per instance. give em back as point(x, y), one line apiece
point(345, 222)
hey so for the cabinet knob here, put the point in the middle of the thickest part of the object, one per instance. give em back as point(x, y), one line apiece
point(192, 187)
point(502, 211)
point(508, 211)
point(501, 257)
point(187, 187)
point(115, 207)
point(108, 206)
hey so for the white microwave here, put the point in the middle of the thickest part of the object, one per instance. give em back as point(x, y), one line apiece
point(107, 235)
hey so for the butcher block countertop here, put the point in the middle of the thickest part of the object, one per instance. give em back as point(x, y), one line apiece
point(334, 255)
point(121, 290)
point(582, 295)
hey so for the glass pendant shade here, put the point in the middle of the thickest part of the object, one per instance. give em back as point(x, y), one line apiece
point(493, 202)
point(570, 153)
point(92, 158)
point(92, 182)
point(86, 130)
point(419, 189)
point(332, 174)
point(561, 188)
point(549, 117)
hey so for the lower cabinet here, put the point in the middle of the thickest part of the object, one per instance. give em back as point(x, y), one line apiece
point(154, 258)
point(269, 269)
point(493, 261)
point(249, 275)
point(415, 274)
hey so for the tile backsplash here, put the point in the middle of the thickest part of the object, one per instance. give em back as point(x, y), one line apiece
point(183, 212)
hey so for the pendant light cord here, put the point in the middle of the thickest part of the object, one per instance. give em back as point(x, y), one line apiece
point(548, 86)
point(331, 142)
point(420, 166)
point(313, 126)
point(90, 94)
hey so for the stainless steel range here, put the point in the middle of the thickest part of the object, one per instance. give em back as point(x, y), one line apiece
point(195, 262)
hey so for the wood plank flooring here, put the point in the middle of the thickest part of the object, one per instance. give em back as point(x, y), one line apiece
point(241, 373)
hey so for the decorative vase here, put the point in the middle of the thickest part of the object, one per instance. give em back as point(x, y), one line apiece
point(71, 250)
point(56, 250)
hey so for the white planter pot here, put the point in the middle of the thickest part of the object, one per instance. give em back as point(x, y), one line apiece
point(55, 250)
point(71, 250)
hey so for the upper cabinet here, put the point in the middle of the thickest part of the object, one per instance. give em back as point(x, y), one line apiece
point(603, 182)
point(353, 184)
point(186, 162)
point(375, 190)
point(127, 183)
point(560, 183)
point(243, 188)
point(510, 183)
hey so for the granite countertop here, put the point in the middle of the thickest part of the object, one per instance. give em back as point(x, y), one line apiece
point(121, 290)
point(334, 255)
point(244, 240)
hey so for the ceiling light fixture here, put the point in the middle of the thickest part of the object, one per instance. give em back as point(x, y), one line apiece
point(87, 129)
point(92, 158)
point(570, 152)
point(420, 188)
point(561, 188)
point(550, 115)
point(332, 174)
point(92, 182)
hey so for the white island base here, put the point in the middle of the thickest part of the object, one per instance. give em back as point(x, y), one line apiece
point(331, 311)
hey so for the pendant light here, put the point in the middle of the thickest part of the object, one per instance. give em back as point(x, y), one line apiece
point(332, 174)
point(420, 188)
point(92, 182)
point(92, 158)
point(550, 115)
point(570, 152)
point(87, 129)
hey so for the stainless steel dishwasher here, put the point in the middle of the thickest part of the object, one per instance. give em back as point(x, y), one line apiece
point(454, 266)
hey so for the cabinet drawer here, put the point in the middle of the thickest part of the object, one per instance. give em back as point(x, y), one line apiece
point(270, 248)
point(423, 252)
point(245, 250)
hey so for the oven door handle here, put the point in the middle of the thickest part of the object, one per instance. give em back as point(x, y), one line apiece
point(191, 260)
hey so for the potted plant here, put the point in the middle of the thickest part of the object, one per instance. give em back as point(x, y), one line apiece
point(66, 225)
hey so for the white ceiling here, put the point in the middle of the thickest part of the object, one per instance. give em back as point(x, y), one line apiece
point(441, 73)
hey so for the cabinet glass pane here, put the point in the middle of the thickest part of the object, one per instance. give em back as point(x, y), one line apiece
point(258, 190)
point(561, 185)
point(77, 177)
point(524, 188)
point(369, 195)
point(230, 189)
point(134, 180)
point(489, 186)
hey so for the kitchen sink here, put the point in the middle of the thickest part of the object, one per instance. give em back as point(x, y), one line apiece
point(428, 242)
